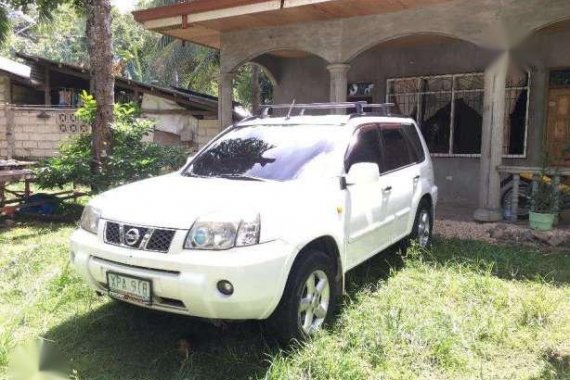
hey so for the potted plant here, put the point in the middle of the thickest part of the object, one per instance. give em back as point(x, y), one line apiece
point(543, 203)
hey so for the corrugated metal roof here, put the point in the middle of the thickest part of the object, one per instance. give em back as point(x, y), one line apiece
point(189, 97)
point(15, 68)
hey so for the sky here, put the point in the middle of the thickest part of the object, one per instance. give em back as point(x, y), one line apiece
point(124, 5)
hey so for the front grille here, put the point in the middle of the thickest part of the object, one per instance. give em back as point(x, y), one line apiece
point(160, 240)
point(133, 235)
point(113, 233)
point(137, 237)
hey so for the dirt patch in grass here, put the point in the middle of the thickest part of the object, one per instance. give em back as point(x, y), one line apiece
point(504, 234)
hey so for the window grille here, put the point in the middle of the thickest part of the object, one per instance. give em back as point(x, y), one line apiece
point(449, 111)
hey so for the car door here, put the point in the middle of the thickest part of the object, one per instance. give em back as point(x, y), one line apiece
point(367, 227)
point(401, 175)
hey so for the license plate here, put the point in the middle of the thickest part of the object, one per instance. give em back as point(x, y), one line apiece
point(129, 288)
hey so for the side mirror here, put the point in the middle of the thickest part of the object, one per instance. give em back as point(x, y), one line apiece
point(362, 172)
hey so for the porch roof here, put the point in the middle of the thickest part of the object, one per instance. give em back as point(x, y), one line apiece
point(203, 21)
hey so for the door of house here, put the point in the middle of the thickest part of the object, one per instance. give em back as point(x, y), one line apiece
point(558, 127)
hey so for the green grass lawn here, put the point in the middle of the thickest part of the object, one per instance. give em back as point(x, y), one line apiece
point(468, 310)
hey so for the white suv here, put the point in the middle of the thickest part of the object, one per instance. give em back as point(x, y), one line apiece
point(265, 221)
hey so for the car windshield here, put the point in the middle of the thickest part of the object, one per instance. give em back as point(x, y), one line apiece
point(273, 152)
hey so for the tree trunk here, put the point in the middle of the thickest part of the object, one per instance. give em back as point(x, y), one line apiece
point(255, 90)
point(100, 45)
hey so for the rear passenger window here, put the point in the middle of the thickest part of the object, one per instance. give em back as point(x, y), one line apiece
point(397, 151)
point(415, 141)
point(366, 147)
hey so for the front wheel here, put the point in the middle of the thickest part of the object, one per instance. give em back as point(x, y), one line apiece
point(308, 301)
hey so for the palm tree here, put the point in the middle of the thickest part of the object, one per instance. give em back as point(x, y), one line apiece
point(197, 67)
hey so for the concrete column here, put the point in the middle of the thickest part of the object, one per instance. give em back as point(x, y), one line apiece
point(339, 81)
point(492, 141)
point(225, 100)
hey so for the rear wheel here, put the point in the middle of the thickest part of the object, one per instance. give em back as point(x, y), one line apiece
point(423, 226)
point(308, 301)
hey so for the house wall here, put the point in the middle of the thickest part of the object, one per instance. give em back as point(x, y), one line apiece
point(207, 130)
point(176, 125)
point(24, 135)
point(4, 146)
point(303, 79)
point(4, 89)
point(457, 177)
point(37, 132)
point(25, 95)
point(481, 24)
point(489, 23)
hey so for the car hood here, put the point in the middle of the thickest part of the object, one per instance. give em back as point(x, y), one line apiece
point(176, 201)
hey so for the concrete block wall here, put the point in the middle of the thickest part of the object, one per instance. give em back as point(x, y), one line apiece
point(207, 130)
point(23, 134)
point(26, 135)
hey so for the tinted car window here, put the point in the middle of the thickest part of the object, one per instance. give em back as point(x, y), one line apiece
point(397, 152)
point(273, 153)
point(365, 147)
point(414, 139)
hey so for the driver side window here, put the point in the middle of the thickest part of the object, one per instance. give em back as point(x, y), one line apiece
point(365, 147)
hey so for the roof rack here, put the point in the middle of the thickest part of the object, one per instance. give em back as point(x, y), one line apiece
point(359, 108)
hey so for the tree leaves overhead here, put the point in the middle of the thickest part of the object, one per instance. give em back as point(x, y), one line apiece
point(45, 8)
point(5, 25)
point(142, 55)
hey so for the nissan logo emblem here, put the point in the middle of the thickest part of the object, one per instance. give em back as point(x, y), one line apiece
point(132, 236)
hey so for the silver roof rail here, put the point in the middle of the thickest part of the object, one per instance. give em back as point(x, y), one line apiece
point(359, 108)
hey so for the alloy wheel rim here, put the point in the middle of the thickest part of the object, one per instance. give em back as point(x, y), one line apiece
point(314, 304)
point(424, 229)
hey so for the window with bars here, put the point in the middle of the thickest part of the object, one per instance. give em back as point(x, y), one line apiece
point(449, 111)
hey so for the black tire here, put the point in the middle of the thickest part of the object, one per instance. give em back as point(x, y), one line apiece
point(423, 208)
point(524, 198)
point(285, 322)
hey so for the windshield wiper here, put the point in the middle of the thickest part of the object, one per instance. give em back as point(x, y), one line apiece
point(240, 176)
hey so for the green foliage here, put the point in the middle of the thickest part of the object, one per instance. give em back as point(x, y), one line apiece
point(45, 8)
point(87, 112)
point(243, 85)
point(131, 158)
point(543, 199)
point(4, 25)
point(141, 55)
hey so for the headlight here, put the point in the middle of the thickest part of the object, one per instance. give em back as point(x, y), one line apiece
point(90, 219)
point(214, 233)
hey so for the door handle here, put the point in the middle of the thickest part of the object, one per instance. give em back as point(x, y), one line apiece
point(416, 178)
point(387, 189)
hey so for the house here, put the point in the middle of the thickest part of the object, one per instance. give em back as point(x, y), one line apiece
point(488, 81)
point(38, 100)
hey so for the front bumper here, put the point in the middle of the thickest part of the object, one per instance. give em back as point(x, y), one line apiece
point(184, 282)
